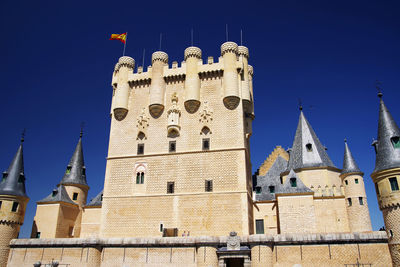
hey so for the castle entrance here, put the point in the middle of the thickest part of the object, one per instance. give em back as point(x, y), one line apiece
point(234, 255)
point(234, 263)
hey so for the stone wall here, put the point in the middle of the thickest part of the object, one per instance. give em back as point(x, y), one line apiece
point(266, 250)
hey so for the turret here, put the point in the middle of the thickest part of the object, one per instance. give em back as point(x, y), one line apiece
point(192, 81)
point(229, 52)
point(354, 192)
point(121, 86)
point(244, 78)
point(386, 177)
point(74, 179)
point(13, 201)
point(157, 89)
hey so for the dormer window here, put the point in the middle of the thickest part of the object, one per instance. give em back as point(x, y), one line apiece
point(5, 175)
point(258, 189)
point(54, 193)
point(293, 182)
point(83, 171)
point(309, 147)
point(272, 189)
point(395, 141)
point(68, 171)
point(21, 178)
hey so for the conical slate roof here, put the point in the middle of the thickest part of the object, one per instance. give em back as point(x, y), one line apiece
point(96, 201)
point(349, 164)
point(13, 182)
point(57, 195)
point(307, 150)
point(387, 156)
point(76, 170)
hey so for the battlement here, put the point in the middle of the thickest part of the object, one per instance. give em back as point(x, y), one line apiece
point(232, 67)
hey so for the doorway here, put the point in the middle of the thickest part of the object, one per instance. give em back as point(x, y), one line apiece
point(234, 262)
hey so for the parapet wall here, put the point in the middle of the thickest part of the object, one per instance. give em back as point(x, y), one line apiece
point(266, 250)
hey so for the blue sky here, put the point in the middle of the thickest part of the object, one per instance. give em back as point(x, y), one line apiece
point(57, 62)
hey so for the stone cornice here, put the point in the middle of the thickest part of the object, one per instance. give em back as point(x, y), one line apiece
point(196, 241)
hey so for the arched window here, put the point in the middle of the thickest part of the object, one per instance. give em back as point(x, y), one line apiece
point(140, 178)
point(309, 147)
point(395, 141)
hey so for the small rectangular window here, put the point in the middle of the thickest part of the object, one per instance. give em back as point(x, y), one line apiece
point(258, 189)
point(170, 187)
point(393, 184)
point(206, 143)
point(360, 199)
point(140, 149)
point(349, 202)
point(356, 181)
point(37, 234)
point(259, 227)
point(172, 146)
point(1, 202)
point(209, 186)
point(346, 182)
point(293, 182)
point(14, 206)
point(272, 189)
point(75, 196)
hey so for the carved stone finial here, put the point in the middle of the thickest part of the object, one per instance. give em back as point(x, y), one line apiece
point(233, 242)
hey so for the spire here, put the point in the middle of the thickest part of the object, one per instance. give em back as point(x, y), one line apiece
point(307, 150)
point(76, 170)
point(13, 182)
point(387, 147)
point(349, 164)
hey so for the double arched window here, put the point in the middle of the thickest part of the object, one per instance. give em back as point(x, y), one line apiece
point(140, 178)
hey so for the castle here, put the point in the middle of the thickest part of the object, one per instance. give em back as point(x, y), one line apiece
point(178, 180)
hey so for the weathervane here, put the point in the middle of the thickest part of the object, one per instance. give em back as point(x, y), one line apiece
point(378, 86)
point(82, 125)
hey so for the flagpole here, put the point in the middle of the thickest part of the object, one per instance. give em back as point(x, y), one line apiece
point(126, 39)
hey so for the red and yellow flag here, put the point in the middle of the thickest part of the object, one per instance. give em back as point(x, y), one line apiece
point(120, 37)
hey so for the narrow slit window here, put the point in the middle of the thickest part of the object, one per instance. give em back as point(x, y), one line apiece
point(170, 187)
point(1, 202)
point(15, 207)
point(161, 227)
point(293, 182)
point(206, 143)
point(393, 184)
point(209, 186)
point(360, 199)
point(172, 146)
point(395, 141)
point(349, 202)
point(75, 196)
point(346, 182)
point(272, 189)
point(309, 147)
point(356, 181)
point(140, 149)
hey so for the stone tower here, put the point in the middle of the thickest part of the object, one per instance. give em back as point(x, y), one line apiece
point(386, 176)
point(59, 214)
point(354, 191)
point(178, 160)
point(13, 201)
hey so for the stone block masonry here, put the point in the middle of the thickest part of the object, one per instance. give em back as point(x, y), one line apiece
point(332, 249)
